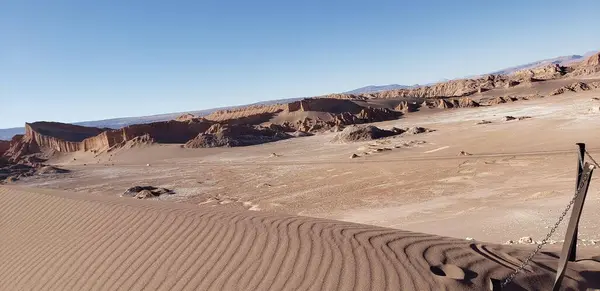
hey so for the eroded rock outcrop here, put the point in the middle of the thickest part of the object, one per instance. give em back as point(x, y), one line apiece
point(588, 66)
point(60, 137)
point(254, 114)
point(453, 88)
point(447, 103)
point(575, 87)
point(502, 100)
point(547, 72)
point(330, 105)
point(4, 146)
point(369, 114)
point(220, 135)
point(406, 107)
point(186, 117)
point(362, 133)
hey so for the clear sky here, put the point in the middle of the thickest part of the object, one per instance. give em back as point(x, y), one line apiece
point(78, 60)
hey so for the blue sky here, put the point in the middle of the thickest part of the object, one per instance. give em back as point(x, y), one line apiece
point(85, 60)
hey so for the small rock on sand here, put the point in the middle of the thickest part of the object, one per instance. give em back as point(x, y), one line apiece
point(354, 156)
point(526, 240)
point(144, 194)
point(483, 122)
point(463, 153)
point(509, 118)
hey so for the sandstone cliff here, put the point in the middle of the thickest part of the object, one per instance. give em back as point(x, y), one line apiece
point(588, 66)
point(186, 117)
point(254, 114)
point(19, 146)
point(57, 136)
point(4, 146)
point(330, 105)
point(548, 72)
point(60, 137)
point(453, 88)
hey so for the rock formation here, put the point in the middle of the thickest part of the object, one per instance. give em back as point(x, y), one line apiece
point(406, 107)
point(444, 104)
point(362, 133)
point(330, 105)
point(186, 117)
point(50, 137)
point(501, 100)
point(453, 88)
point(19, 147)
point(588, 66)
point(548, 72)
point(254, 114)
point(4, 146)
point(60, 137)
point(575, 87)
point(235, 135)
point(447, 103)
point(370, 114)
point(142, 192)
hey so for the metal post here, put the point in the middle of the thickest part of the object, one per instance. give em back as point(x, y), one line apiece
point(571, 235)
point(580, 159)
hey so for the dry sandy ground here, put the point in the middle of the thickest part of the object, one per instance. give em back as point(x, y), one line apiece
point(54, 240)
point(518, 180)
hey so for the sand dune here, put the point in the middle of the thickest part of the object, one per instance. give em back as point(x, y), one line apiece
point(52, 240)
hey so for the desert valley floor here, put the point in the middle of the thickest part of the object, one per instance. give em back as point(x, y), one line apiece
point(299, 200)
point(515, 183)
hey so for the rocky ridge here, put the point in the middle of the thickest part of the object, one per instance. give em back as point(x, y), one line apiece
point(297, 118)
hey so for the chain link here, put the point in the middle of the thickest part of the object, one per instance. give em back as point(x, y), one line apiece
point(592, 159)
point(527, 261)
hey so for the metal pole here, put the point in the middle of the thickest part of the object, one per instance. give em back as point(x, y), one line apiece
point(571, 235)
point(580, 159)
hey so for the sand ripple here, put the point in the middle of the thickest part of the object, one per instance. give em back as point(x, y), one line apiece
point(52, 240)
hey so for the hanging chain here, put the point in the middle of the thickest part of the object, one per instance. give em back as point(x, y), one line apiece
point(527, 261)
point(592, 159)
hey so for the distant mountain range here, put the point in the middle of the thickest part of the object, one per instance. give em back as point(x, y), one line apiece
point(564, 60)
point(125, 121)
point(373, 88)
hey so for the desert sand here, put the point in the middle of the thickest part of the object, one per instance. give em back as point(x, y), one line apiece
point(440, 202)
point(57, 240)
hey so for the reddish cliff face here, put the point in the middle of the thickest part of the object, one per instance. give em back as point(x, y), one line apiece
point(4, 146)
point(589, 66)
point(162, 132)
point(19, 146)
point(63, 131)
point(235, 135)
point(331, 105)
point(548, 72)
point(454, 88)
point(60, 137)
point(254, 114)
